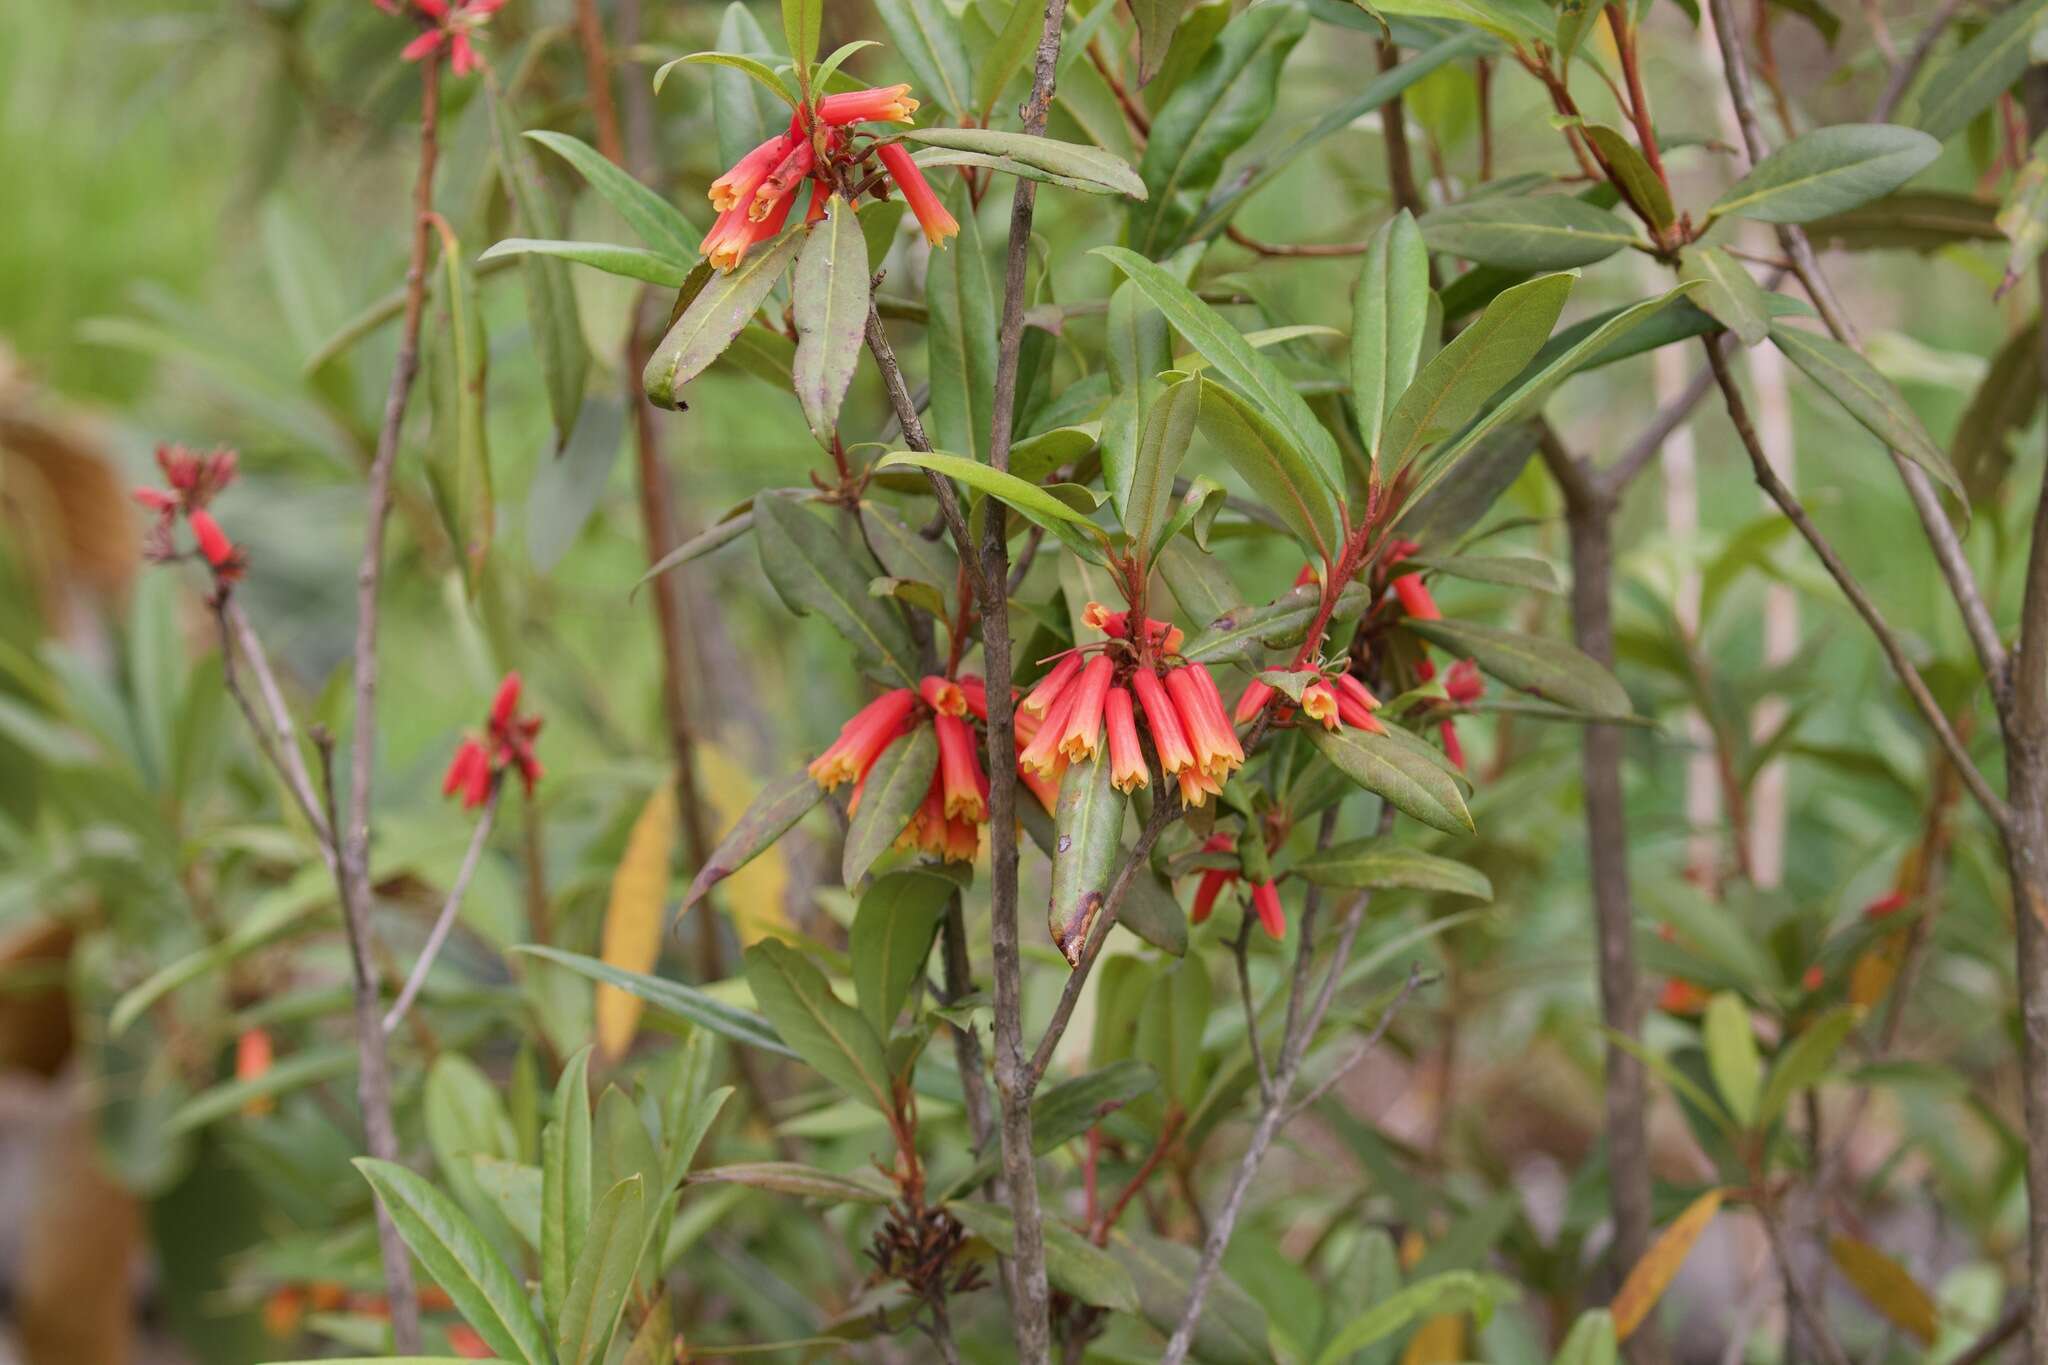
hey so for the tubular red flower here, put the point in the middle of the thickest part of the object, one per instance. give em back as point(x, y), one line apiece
point(1266, 900)
point(879, 104)
point(943, 695)
point(1462, 684)
point(468, 754)
point(1348, 685)
point(966, 786)
point(820, 193)
point(1047, 790)
point(1357, 717)
point(1453, 750)
point(1212, 884)
point(1127, 771)
point(735, 189)
point(253, 1054)
point(1307, 576)
point(1196, 786)
point(862, 739)
point(1415, 598)
point(506, 702)
point(976, 693)
point(1115, 624)
point(781, 182)
point(1081, 737)
point(1813, 979)
point(1885, 905)
point(1256, 695)
point(1040, 700)
point(1168, 735)
point(728, 239)
point(1680, 996)
point(155, 499)
point(963, 840)
point(1041, 753)
point(931, 214)
point(925, 829)
point(1203, 720)
point(213, 542)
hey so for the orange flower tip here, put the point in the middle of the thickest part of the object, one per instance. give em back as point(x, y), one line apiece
point(1039, 701)
point(1115, 624)
point(943, 695)
point(1318, 702)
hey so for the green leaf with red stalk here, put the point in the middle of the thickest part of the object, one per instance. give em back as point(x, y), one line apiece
point(1087, 836)
point(714, 318)
point(658, 223)
point(1550, 669)
point(1034, 502)
point(894, 789)
point(891, 938)
point(830, 1035)
point(1235, 360)
point(1243, 631)
point(1162, 442)
point(1728, 293)
point(1267, 459)
point(735, 61)
point(1409, 783)
point(1633, 172)
point(829, 300)
point(1389, 323)
point(1526, 231)
point(1381, 864)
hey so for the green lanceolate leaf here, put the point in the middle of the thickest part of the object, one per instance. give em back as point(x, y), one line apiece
point(565, 1183)
point(804, 1182)
point(891, 938)
point(1280, 475)
point(773, 814)
point(1802, 1062)
point(960, 340)
point(1389, 316)
point(829, 296)
point(1633, 172)
point(1458, 380)
point(895, 788)
point(1958, 89)
point(1547, 668)
point(1233, 358)
point(1087, 836)
point(1156, 21)
point(1148, 505)
point(550, 299)
point(1215, 111)
point(754, 68)
point(1829, 170)
point(1453, 1291)
point(715, 317)
point(1869, 397)
point(802, 21)
point(457, 1258)
point(1730, 294)
point(1410, 783)
point(459, 462)
point(604, 1273)
point(1242, 631)
point(924, 32)
point(659, 223)
point(672, 998)
point(1590, 1342)
point(1526, 232)
point(1376, 863)
point(829, 1035)
point(1040, 505)
point(823, 567)
point(1169, 1030)
point(1732, 1055)
point(746, 111)
point(1232, 1328)
point(1090, 167)
point(1509, 571)
point(1075, 1264)
point(631, 262)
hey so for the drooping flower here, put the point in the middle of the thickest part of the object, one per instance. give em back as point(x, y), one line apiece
point(222, 555)
point(1415, 598)
point(506, 745)
point(1127, 770)
point(1042, 753)
point(781, 182)
point(863, 738)
point(454, 21)
point(1253, 700)
point(931, 213)
point(1169, 737)
point(1462, 683)
point(1204, 721)
point(1266, 901)
point(965, 785)
point(1081, 736)
point(1318, 702)
point(1162, 635)
point(1040, 699)
point(469, 774)
point(736, 187)
point(1888, 904)
point(1680, 996)
point(1356, 704)
point(1214, 879)
point(253, 1057)
point(975, 692)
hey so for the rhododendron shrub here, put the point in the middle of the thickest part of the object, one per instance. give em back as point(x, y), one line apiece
point(1076, 816)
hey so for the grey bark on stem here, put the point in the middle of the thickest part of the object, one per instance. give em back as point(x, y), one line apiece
point(445, 921)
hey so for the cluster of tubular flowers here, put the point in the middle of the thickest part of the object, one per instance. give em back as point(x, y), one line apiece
point(947, 823)
point(1336, 701)
point(452, 22)
point(1265, 895)
point(754, 197)
point(1096, 694)
point(1462, 684)
point(195, 480)
point(506, 743)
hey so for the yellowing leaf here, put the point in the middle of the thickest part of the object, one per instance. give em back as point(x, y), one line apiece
point(1438, 1341)
point(1653, 1274)
point(1874, 972)
point(753, 895)
point(1886, 1286)
point(632, 920)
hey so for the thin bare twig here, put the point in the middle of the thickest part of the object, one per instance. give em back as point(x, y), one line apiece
point(445, 921)
point(1251, 1009)
point(277, 737)
point(1802, 1307)
point(1416, 979)
point(913, 436)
